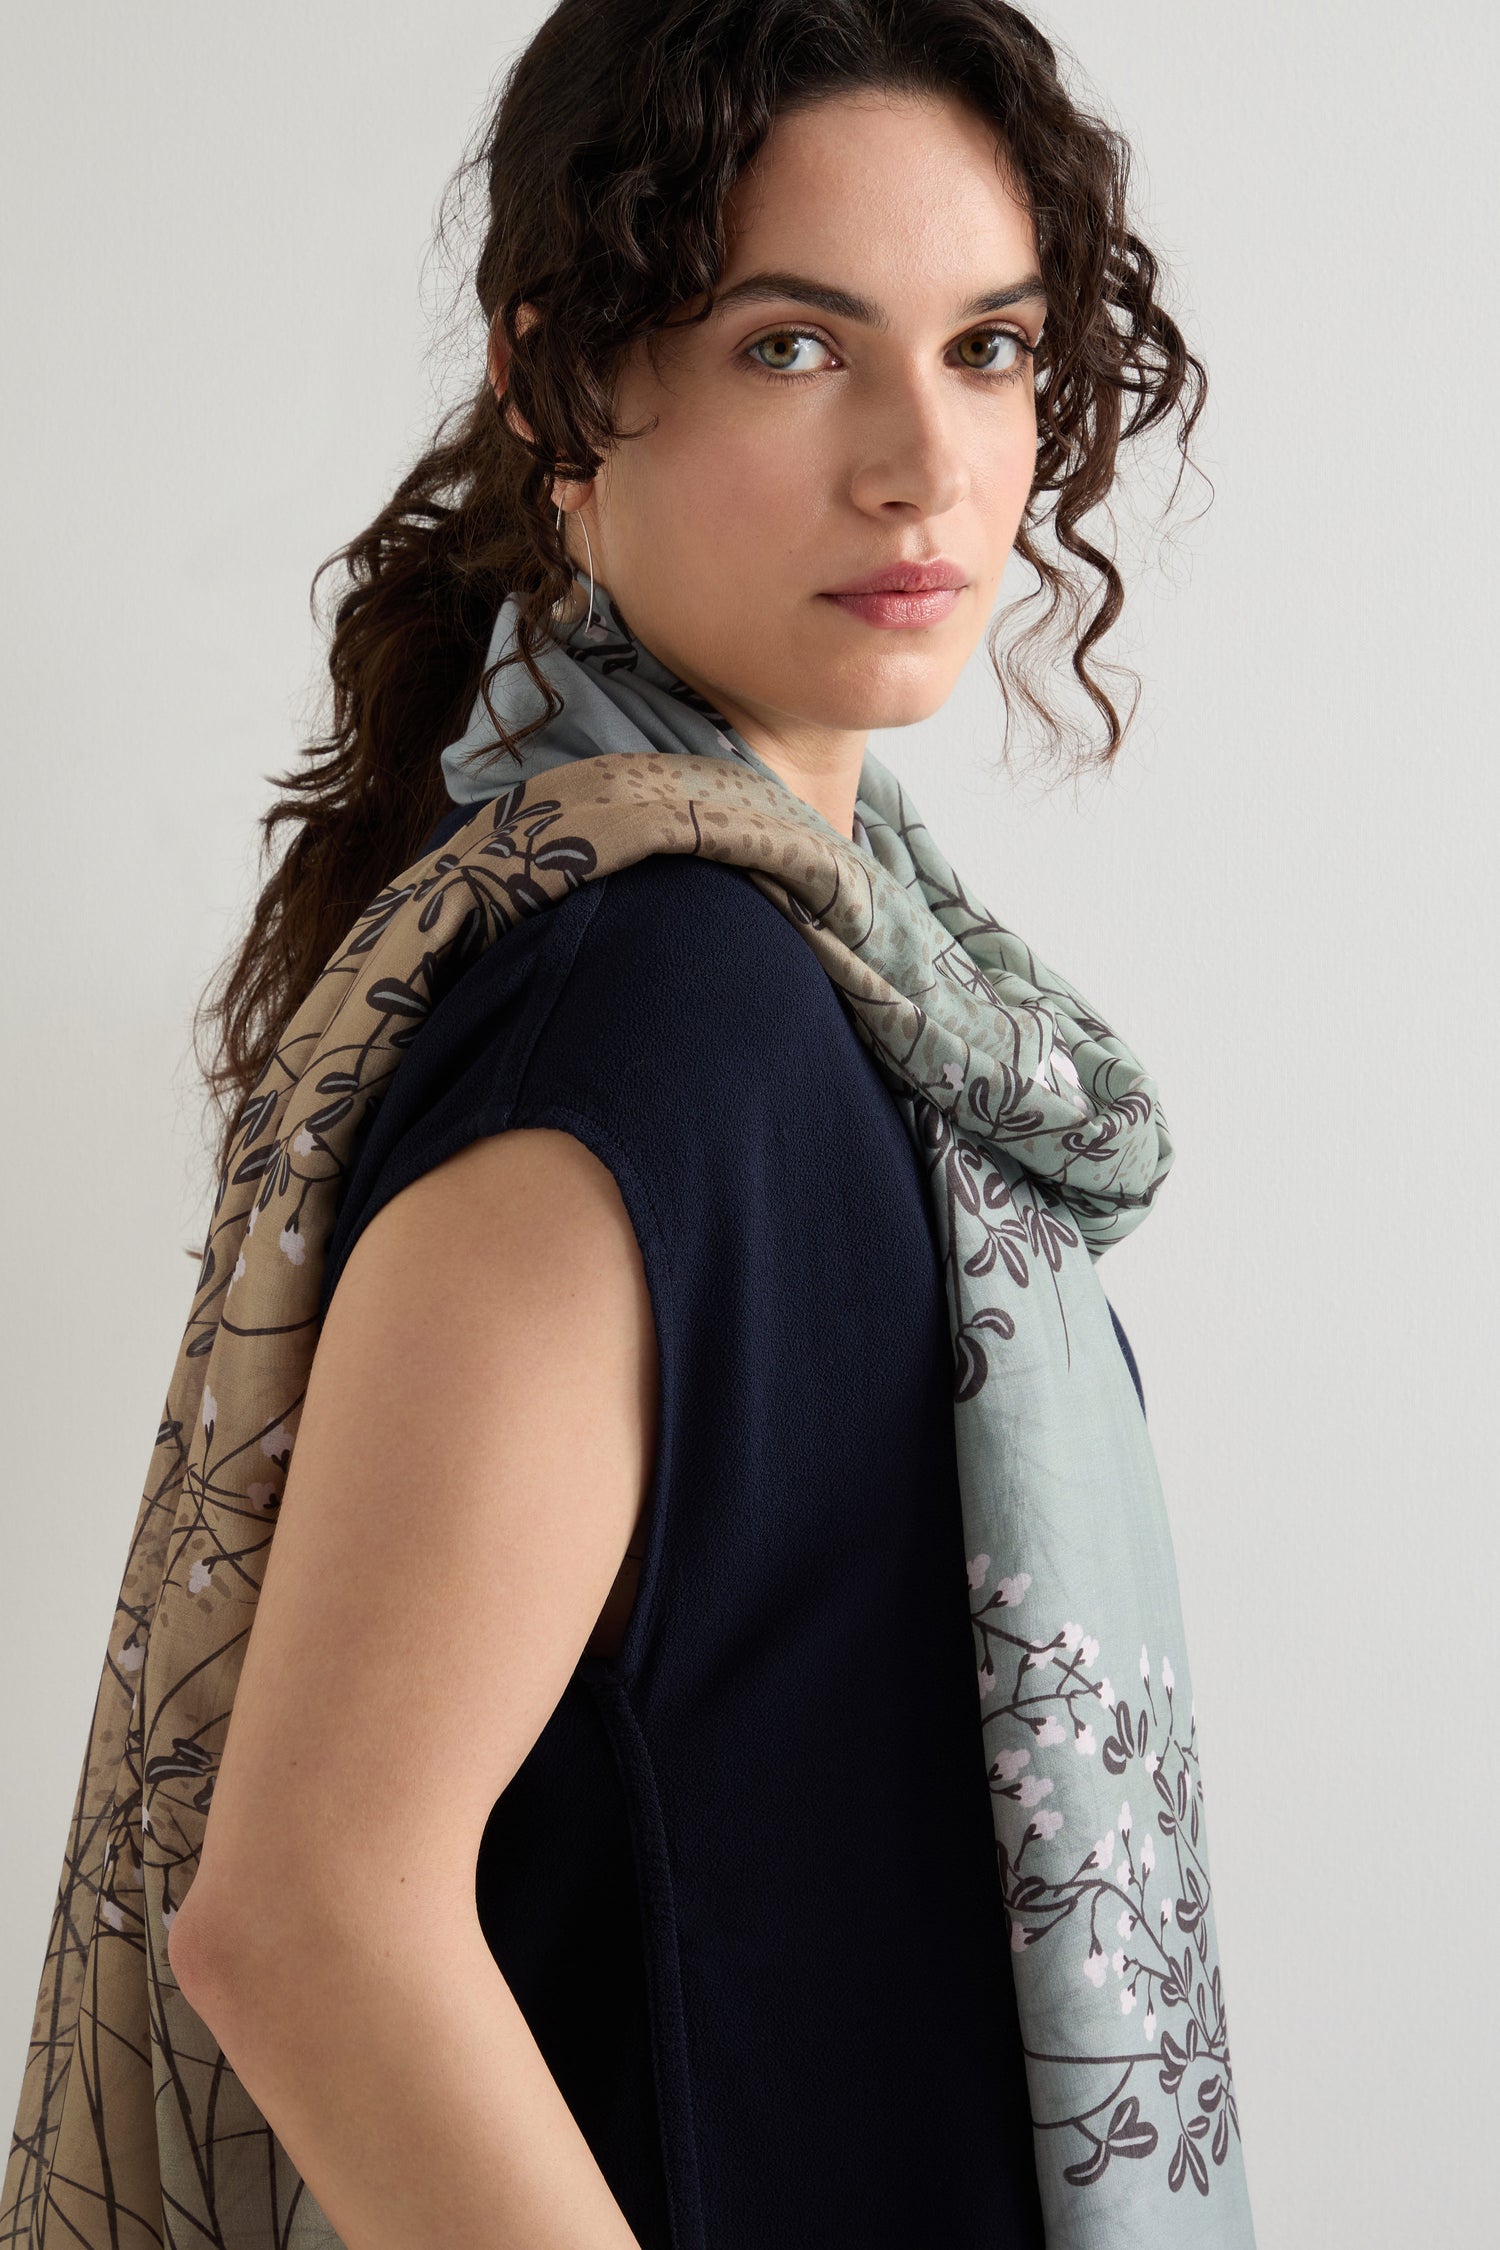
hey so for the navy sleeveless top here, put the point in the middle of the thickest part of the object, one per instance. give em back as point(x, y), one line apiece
point(744, 1885)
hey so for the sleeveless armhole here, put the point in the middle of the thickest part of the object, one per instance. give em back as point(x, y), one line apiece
point(651, 1240)
point(466, 1078)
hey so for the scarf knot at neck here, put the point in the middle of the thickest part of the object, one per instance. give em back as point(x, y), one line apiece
point(956, 1007)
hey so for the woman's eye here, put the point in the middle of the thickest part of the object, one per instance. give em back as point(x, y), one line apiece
point(779, 341)
point(1008, 351)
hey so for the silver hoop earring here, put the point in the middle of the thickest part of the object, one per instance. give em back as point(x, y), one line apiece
point(589, 548)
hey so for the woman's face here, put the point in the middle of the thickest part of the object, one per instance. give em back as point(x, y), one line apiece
point(860, 397)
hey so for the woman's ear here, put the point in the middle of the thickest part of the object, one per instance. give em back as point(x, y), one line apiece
point(567, 495)
point(498, 364)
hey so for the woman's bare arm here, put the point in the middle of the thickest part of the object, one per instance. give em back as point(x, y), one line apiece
point(474, 1452)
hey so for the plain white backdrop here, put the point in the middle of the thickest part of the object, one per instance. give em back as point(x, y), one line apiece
point(218, 360)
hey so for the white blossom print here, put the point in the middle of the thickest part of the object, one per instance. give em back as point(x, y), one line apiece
point(1172, 2098)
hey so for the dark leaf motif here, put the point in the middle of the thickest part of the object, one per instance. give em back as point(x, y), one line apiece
point(996, 1189)
point(572, 857)
point(1188, 1913)
point(395, 998)
point(507, 803)
point(1088, 2168)
point(961, 1167)
point(526, 895)
point(983, 1258)
point(1221, 2137)
point(970, 1364)
point(257, 1113)
point(1193, 1819)
point(386, 902)
point(204, 1343)
point(1141, 1736)
point(1182, 1794)
point(1011, 1252)
point(322, 1120)
point(1210, 2093)
point(932, 1126)
point(1094, 1137)
point(338, 1082)
point(1187, 2159)
point(1130, 2134)
point(185, 1760)
point(431, 911)
point(979, 1103)
point(1050, 1236)
point(261, 1160)
point(468, 944)
point(366, 940)
point(1174, 2062)
point(1127, 2134)
point(1008, 1091)
point(1119, 1746)
point(970, 1367)
point(376, 918)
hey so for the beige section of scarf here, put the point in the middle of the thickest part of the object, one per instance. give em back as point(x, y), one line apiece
point(132, 2127)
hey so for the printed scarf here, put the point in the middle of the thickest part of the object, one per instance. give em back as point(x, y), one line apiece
point(1042, 1140)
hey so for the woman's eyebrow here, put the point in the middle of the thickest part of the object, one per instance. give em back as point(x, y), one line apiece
point(848, 306)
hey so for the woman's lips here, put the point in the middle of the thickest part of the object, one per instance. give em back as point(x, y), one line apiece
point(899, 608)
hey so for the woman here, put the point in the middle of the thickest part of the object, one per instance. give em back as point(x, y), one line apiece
point(623, 1578)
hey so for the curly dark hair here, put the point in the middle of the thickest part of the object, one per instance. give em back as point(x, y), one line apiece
point(615, 139)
